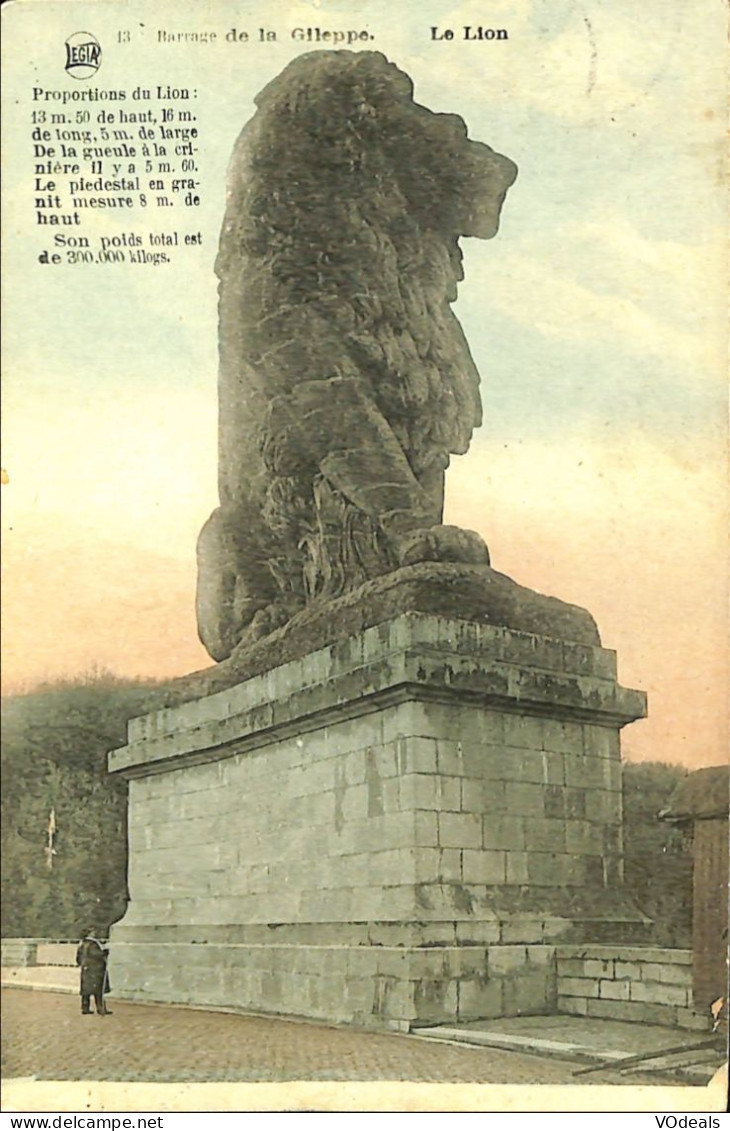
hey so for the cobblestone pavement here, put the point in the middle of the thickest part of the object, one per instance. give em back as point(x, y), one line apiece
point(44, 1035)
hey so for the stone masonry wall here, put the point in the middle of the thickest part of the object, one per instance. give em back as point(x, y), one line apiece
point(398, 829)
point(389, 817)
point(649, 984)
point(366, 984)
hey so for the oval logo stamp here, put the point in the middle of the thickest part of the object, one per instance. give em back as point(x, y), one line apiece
point(83, 55)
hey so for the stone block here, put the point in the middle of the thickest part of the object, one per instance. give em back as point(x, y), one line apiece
point(430, 791)
point(523, 731)
point(417, 755)
point(532, 992)
point(669, 973)
point(553, 769)
point(595, 870)
point(464, 961)
point(394, 962)
point(516, 868)
point(577, 987)
point(398, 721)
point(613, 841)
point(532, 651)
point(450, 757)
point(521, 929)
point(450, 865)
point(494, 798)
point(542, 955)
point(485, 761)
point(437, 934)
point(550, 869)
point(555, 927)
point(601, 742)
point(632, 1011)
point(570, 967)
point(472, 932)
point(598, 967)
point(380, 762)
point(583, 838)
point(586, 773)
point(659, 993)
point(524, 799)
point(483, 867)
point(501, 763)
point(395, 865)
point(506, 960)
point(459, 830)
point(479, 998)
point(602, 805)
point(532, 766)
point(689, 1019)
point(436, 865)
point(554, 801)
point(575, 804)
point(476, 727)
point(434, 720)
point(562, 737)
point(617, 991)
point(435, 1000)
point(629, 970)
point(578, 1006)
point(358, 996)
point(612, 776)
point(505, 833)
point(545, 835)
point(353, 767)
point(390, 795)
point(475, 794)
point(425, 829)
point(361, 962)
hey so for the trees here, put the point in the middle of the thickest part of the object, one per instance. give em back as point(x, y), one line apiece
point(657, 865)
point(55, 742)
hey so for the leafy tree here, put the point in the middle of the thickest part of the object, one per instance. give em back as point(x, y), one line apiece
point(657, 865)
point(54, 745)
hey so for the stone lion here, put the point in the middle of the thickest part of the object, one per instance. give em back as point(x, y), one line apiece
point(345, 378)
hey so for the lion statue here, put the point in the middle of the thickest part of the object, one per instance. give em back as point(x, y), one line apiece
point(345, 378)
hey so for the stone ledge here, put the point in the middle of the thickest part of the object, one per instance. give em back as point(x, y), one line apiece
point(512, 912)
point(638, 1012)
point(471, 593)
point(679, 956)
point(387, 665)
point(425, 633)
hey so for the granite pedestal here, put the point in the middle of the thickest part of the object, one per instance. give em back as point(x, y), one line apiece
point(393, 830)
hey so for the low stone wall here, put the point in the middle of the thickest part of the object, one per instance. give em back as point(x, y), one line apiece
point(622, 983)
point(56, 953)
point(398, 986)
point(18, 952)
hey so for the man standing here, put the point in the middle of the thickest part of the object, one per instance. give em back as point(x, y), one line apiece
point(92, 957)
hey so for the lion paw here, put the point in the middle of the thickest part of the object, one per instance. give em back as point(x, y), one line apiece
point(442, 544)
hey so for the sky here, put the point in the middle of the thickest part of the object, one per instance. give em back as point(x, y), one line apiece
point(596, 317)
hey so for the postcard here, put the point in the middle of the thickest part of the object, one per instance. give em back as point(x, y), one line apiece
point(365, 434)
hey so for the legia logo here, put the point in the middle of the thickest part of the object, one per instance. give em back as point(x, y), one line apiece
point(83, 55)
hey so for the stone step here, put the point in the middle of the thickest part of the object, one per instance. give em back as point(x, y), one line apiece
point(513, 1042)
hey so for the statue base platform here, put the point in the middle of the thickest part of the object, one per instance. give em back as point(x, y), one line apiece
point(392, 830)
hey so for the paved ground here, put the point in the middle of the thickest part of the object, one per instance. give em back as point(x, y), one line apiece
point(595, 1040)
point(45, 1036)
